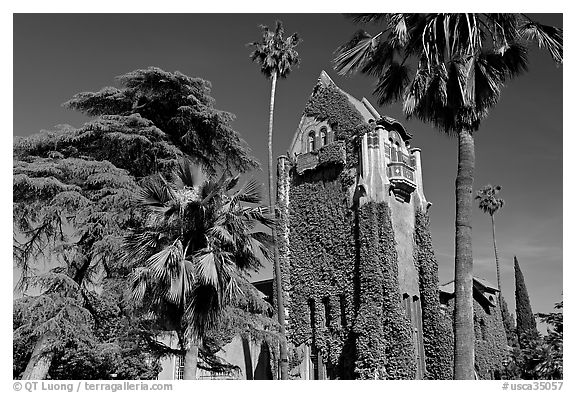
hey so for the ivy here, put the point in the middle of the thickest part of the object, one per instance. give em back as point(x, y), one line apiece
point(438, 347)
point(330, 104)
point(321, 267)
point(343, 278)
point(384, 345)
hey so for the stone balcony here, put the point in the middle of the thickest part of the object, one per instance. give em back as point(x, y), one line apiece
point(402, 180)
point(331, 154)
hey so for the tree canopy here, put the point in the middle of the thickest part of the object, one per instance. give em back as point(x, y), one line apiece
point(447, 69)
point(74, 192)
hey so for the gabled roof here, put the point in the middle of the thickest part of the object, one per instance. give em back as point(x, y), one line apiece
point(366, 109)
point(482, 289)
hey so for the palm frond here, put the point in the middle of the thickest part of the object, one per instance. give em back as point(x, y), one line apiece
point(138, 283)
point(354, 55)
point(165, 264)
point(206, 268)
point(511, 59)
point(380, 59)
point(367, 18)
point(548, 37)
point(249, 193)
point(187, 175)
point(154, 194)
point(392, 84)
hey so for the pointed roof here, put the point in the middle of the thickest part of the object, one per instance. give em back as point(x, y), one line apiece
point(366, 109)
point(482, 289)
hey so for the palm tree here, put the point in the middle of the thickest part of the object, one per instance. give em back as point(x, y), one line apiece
point(191, 257)
point(276, 57)
point(448, 70)
point(489, 203)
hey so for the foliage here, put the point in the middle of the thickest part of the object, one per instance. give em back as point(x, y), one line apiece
point(276, 54)
point(346, 304)
point(444, 67)
point(73, 192)
point(318, 211)
point(509, 324)
point(525, 321)
point(174, 107)
point(488, 200)
point(198, 241)
point(437, 347)
point(490, 342)
point(540, 357)
point(91, 337)
point(384, 333)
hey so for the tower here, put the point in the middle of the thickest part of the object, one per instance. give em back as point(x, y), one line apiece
point(348, 192)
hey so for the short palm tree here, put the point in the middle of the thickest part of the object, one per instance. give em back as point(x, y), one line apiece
point(190, 259)
point(489, 202)
point(276, 57)
point(449, 70)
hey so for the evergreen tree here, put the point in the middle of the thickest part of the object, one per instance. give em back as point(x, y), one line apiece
point(525, 321)
point(73, 192)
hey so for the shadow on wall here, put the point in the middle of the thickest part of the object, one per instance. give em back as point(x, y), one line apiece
point(263, 369)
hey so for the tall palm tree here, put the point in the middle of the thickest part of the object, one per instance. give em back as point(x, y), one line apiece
point(489, 203)
point(448, 70)
point(276, 57)
point(191, 257)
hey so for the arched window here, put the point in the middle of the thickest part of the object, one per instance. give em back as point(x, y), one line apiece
point(393, 151)
point(323, 136)
point(311, 141)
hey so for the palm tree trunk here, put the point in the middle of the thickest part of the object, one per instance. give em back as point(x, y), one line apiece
point(277, 269)
point(41, 359)
point(463, 269)
point(497, 262)
point(190, 362)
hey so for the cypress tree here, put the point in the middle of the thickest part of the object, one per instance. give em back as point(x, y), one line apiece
point(525, 321)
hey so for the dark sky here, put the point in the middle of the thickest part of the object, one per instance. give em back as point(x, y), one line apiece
point(519, 146)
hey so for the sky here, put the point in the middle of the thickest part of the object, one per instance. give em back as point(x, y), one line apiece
point(519, 146)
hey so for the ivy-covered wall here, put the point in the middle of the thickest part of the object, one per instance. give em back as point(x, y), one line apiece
point(437, 329)
point(384, 334)
point(490, 338)
point(490, 344)
point(343, 262)
point(322, 263)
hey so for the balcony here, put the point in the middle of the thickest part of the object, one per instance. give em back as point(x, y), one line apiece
point(332, 154)
point(402, 183)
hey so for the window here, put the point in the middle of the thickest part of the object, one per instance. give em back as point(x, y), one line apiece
point(312, 315)
point(326, 302)
point(179, 369)
point(311, 141)
point(323, 136)
point(394, 152)
point(342, 311)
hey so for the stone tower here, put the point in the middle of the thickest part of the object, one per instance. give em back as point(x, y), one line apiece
point(348, 192)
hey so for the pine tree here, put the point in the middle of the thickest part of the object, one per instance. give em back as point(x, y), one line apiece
point(525, 321)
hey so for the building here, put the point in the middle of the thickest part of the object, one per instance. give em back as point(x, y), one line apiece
point(490, 343)
point(359, 275)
